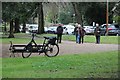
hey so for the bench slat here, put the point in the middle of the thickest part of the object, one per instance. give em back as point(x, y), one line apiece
point(19, 45)
point(21, 50)
point(18, 50)
point(25, 45)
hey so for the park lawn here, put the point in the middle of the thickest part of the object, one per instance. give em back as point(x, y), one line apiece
point(89, 65)
point(104, 39)
point(0, 67)
point(91, 39)
point(19, 40)
point(25, 38)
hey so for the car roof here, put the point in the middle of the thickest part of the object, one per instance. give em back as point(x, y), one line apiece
point(87, 26)
point(68, 26)
point(33, 25)
point(105, 24)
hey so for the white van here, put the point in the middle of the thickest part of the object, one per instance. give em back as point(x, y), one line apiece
point(68, 29)
point(33, 28)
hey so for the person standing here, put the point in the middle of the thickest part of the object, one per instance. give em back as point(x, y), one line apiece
point(82, 34)
point(76, 31)
point(78, 36)
point(59, 33)
point(97, 33)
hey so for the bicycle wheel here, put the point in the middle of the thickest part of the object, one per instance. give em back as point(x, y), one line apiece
point(51, 50)
point(27, 52)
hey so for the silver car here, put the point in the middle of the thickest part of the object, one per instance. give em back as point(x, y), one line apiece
point(113, 29)
point(89, 29)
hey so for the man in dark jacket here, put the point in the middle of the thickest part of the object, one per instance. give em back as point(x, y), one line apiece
point(97, 33)
point(59, 33)
point(82, 34)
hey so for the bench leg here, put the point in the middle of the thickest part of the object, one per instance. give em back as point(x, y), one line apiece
point(11, 54)
point(18, 55)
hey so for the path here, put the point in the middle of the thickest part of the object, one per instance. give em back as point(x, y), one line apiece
point(69, 47)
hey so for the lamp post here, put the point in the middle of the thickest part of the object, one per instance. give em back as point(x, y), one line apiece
point(73, 17)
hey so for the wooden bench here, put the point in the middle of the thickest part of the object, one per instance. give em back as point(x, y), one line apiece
point(19, 48)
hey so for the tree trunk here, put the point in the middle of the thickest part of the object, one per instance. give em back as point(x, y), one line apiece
point(40, 18)
point(17, 25)
point(5, 29)
point(24, 27)
point(78, 15)
point(11, 35)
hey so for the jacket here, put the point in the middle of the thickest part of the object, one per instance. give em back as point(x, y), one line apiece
point(97, 31)
point(59, 30)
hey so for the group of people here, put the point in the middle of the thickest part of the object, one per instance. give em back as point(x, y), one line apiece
point(79, 33)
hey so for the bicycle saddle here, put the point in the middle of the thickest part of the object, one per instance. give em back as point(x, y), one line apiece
point(51, 37)
point(46, 37)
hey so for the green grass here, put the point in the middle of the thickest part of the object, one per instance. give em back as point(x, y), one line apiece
point(104, 39)
point(96, 65)
point(0, 67)
point(20, 38)
point(91, 39)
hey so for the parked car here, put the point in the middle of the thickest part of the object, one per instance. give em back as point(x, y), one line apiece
point(45, 29)
point(33, 28)
point(26, 28)
point(89, 29)
point(113, 29)
point(52, 29)
point(105, 24)
point(68, 29)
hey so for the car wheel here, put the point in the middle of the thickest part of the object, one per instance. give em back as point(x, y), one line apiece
point(67, 33)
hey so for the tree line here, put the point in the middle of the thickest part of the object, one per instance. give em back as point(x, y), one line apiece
point(17, 13)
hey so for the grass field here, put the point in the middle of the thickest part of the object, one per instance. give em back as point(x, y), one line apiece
point(20, 38)
point(91, 39)
point(0, 67)
point(96, 65)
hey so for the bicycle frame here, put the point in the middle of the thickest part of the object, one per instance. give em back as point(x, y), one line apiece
point(40, 47)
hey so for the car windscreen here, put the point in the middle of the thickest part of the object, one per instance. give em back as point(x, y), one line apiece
point(113, 26)
point(117, 26)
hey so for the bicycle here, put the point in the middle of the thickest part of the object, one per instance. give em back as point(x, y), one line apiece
point(50, 48)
